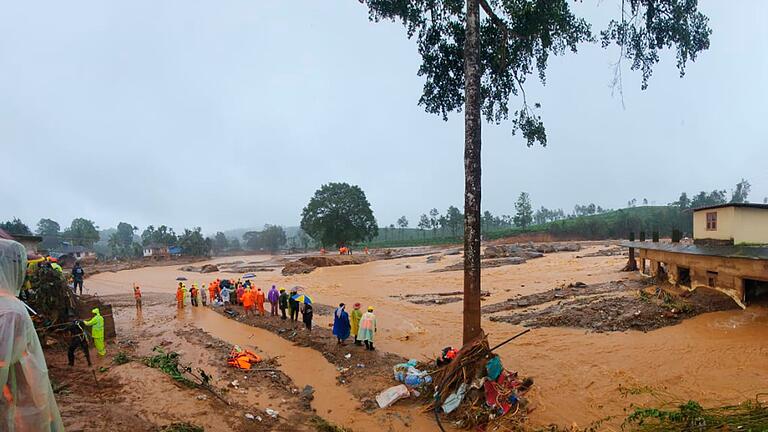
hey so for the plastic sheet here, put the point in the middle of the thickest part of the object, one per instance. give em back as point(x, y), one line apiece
point(28, 404)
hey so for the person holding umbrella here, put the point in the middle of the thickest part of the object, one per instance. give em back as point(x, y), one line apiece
point(293, 305)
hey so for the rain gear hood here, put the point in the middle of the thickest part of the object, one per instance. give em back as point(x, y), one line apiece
point(27, 398)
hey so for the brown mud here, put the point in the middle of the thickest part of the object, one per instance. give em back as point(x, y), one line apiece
point(714, 358)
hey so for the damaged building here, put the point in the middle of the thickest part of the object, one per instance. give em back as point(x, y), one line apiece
point(729, 253)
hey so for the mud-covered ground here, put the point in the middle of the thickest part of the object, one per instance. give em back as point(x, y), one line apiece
point(578, 373)
point(135, 397)
point(610, 306)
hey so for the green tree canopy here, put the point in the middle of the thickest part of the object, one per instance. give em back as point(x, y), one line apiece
point(741, 193)
point(272, 238)
point(15, 226)
point(161, 235)
point(339, 214)
point(476, 63)
point(193, 243)
point(121, 241)
point(48, 227)
point(82, 232)
point(220, 242)
point(524, 215)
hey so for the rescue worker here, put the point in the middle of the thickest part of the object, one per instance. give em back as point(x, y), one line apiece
point(273, 298)
point(354, 319)
point(78, 274)
point(212, 291)
point(248, 302)
point(180, 297)
point(27, 398)
point(306, 314)
point(193, 295)
point(293, 305)
point(367, 329)
point(97, 331)
point(240, 291)
point(137, 296)
point(283, 300)
point(260, 301)
point(341, 324)
point(204, 295)
point(78, 340)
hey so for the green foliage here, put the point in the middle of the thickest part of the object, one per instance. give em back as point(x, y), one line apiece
point(82, 232)
point(524, 215)
point(48, 294)
point(162, 236)
point(453, 220)
point(703, 199)
point(740, 194)
point(691, 416)
point(121, 358)
point(168, 363)
point(272, 238)
point(193, 243)
point(219, 242)
point(339, 214)
point(648, 26)
point(518, 37)
point(15, 226)
point(121, 241)
point(323, 425)
point(182, 427)
point(48, 227)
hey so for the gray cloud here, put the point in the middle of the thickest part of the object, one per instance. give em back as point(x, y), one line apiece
point(232, 114)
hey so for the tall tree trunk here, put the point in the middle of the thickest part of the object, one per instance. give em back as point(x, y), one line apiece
point(472, 123)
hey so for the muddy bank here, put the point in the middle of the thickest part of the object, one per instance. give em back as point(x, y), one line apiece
point(642, 310)
point(563, 292)
point(308, 264)
point(133, 396)
point(116, 266)
point(437, 298)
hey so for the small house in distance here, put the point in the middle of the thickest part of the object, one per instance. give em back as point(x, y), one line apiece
point(155, 250)
point(729, 253)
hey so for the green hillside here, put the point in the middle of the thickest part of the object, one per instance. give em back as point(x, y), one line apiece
point(615, 224)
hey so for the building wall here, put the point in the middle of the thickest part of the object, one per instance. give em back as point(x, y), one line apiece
point(751, 225)
point(730, 271)
point(725, 224)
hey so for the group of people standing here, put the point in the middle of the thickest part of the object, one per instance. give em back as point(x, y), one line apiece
point(361, 325)
point(228, 292)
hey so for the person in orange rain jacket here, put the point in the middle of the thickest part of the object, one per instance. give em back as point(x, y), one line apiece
point(180, 297)
point(260, 300)
point(248, 300)
point(212, 292)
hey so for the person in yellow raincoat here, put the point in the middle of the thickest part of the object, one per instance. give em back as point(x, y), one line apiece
point(97, 332)
point(26, 398)
point(354, 319)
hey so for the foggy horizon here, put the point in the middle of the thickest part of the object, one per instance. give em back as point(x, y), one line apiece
point(218, 116)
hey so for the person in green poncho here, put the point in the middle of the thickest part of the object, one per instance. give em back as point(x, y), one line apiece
point(97, 332)
point(354, 319)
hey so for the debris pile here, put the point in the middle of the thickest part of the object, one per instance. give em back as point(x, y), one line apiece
point(469, 387)
point(475, 390)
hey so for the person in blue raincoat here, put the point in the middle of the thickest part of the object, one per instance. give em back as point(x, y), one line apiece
point(341, 324)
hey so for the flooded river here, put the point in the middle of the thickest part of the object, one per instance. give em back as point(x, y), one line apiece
point(714, 358)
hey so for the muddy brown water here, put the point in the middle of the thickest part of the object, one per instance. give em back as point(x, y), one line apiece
point(714, 358)
point(305, 366)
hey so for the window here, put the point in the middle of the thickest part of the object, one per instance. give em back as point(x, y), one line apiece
point(712, 221)
point(711, 279)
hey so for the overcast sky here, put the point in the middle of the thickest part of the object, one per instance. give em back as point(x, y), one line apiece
point(226, 114)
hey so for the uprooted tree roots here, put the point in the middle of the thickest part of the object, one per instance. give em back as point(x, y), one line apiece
point(468, 370)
